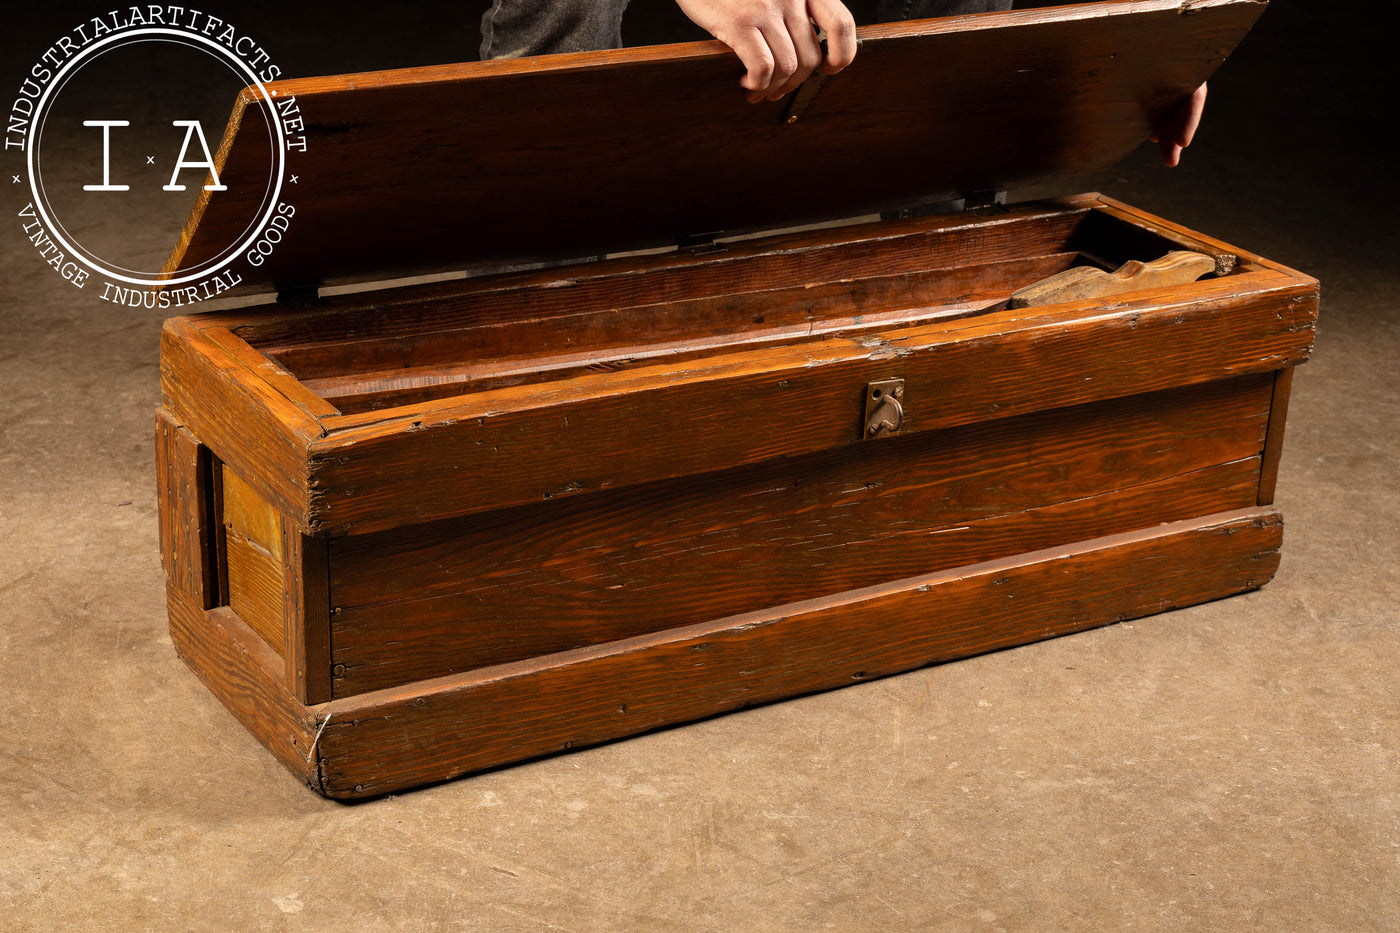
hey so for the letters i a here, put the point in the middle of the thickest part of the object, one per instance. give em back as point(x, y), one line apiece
point(192, 128)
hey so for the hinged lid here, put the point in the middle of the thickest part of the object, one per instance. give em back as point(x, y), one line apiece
point(426, 169)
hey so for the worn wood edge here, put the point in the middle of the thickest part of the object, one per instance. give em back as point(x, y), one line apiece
point(434, 751)
point(1273, 438)
point(307, 613)
point(273, 375)
point(472, 436)
point(346, 430)
point(223, 361)
point(1192, 239)
point(246, 677)
point(201, 204)
point(246, 424)
point(187, 542)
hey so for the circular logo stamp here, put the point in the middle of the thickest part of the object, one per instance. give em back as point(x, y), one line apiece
point(120, 134)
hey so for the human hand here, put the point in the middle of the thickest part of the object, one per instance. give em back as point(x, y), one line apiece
point(775, 40)
point(1176, 133)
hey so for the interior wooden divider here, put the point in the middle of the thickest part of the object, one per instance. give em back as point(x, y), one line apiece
point(398, 353)
point(438, 365)
point(820, 256)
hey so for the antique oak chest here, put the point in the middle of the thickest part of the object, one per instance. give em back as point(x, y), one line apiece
point(416, 531)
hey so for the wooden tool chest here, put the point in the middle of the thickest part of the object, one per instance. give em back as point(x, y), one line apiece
point(423, 530)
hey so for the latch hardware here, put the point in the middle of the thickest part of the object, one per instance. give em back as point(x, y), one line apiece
point(884, 407)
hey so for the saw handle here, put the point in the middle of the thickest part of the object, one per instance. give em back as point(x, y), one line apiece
point(1082, 282)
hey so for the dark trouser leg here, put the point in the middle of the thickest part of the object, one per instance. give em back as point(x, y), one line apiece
point(513, 28)
point(889, 10)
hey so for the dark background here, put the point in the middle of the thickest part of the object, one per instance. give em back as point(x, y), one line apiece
point(1230, 766)
point(1296, 133)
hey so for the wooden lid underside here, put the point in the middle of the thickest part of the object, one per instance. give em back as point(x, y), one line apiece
point(435, 168)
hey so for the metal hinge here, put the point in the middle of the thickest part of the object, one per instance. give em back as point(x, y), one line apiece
point(986, 197)
point(698, 244)
point(298, 296)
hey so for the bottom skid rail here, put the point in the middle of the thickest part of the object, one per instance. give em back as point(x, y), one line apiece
point(434, 730)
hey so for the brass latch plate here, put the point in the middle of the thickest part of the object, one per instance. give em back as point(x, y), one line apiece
point(884, 407)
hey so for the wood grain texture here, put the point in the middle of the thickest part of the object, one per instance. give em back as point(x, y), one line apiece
point(1026, 95)
point(432, 600)
point(218, 389)
point(1273, 445)
point(783, 260)
point(408, 345)
point(278, 586)
point(436, 730)
point(565, 538)
point(516, 326)
point(528, 444)
point(305, 404)
point(256, 589)
point(307, 613)
point(249, 514)
point(778, 258)
point(187, 547)
point(245, 674)
point(371, 375)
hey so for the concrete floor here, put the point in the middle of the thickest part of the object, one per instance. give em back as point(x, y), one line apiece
point(1235, 766)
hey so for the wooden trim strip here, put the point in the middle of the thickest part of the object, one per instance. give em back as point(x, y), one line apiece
point(435, 730)
point(187, 540)
point(1273, 440)
point(308, 615)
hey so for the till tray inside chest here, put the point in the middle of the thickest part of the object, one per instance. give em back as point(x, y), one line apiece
point(365, 353)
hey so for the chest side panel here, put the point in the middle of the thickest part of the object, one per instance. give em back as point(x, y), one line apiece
point(443, 597)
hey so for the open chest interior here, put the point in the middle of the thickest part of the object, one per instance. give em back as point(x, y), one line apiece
point(367, 352)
